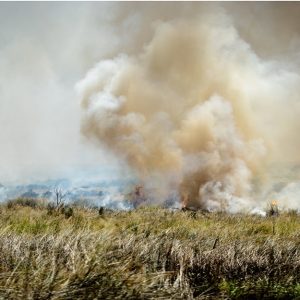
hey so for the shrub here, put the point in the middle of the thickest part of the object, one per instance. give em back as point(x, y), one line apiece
point(29, 202)
point(67, 211)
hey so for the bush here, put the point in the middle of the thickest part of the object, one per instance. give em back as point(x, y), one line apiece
point(29, 202)
point(67, 211)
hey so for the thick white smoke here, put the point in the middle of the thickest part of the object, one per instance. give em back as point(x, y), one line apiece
point(45, 48)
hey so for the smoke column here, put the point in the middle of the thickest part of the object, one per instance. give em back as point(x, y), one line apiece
point(196, 109)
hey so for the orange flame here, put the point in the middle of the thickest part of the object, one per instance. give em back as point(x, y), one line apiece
point(184, 200)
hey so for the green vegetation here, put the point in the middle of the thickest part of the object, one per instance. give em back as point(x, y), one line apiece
point(148, 253)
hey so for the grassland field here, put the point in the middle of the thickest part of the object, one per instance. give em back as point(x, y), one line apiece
point(147, 253)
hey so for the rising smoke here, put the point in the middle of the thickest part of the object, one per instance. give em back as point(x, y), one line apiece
point(196, 108)
point(200, 99)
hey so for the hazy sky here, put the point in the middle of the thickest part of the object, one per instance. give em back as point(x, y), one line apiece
point(46, 48)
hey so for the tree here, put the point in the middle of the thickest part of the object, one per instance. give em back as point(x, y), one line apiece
point(59, 196)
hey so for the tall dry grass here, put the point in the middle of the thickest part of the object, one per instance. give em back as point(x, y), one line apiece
point(149, 253)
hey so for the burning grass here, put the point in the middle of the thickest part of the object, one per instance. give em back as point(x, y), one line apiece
point(148, 253)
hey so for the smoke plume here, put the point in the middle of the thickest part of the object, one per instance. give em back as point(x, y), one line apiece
point(196, 110)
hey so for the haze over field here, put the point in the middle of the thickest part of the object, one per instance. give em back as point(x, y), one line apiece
point(196, 100)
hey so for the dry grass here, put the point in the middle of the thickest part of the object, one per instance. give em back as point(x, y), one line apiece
point(148, 253)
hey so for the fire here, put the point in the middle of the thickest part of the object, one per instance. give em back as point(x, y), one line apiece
point(273, 211)
point(184, 201)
